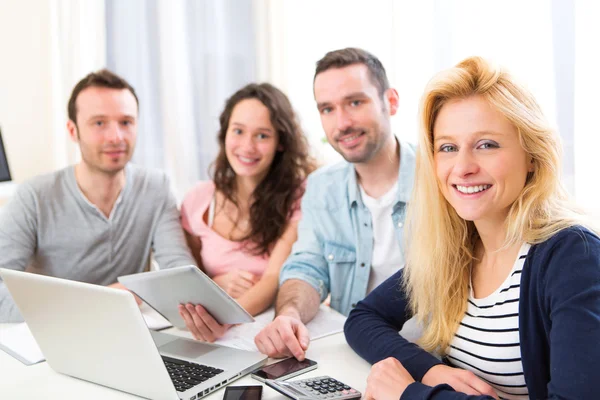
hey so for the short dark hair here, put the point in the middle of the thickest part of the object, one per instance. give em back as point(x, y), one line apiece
point(103, 78)
point(350, 56)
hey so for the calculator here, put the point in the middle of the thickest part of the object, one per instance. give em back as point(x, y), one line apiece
point(322, 387)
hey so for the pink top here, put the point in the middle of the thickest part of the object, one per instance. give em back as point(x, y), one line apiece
point(219, 255)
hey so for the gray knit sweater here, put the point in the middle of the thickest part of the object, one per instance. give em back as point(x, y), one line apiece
point(49, 227)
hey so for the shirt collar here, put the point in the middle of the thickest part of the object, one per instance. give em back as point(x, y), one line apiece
point(406, 173)
point(86, 201)
point(353, 190)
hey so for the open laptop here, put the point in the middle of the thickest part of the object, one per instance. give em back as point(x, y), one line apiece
point(4, 170)
point(98, 334)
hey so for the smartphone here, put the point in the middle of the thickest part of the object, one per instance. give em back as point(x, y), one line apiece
point(283, 370)
point(243, 393)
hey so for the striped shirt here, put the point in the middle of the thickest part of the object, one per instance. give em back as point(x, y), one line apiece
point(487, 340)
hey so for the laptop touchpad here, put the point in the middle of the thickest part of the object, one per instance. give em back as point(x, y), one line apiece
point(186, 348)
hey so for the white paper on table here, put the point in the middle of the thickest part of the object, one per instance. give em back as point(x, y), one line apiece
point(154, 320)
point(326, 322)
point(17, 341)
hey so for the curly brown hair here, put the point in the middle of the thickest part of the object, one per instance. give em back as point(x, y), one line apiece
point(273, 199)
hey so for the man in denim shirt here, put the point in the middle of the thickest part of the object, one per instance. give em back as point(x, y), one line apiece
point(351, 233)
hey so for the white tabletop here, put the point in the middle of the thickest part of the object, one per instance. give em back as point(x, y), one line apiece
point(7, 189)
point(17, 381)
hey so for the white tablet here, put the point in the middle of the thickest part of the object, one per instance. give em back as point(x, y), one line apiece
point(164, 290)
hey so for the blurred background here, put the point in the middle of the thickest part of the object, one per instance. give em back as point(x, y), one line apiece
point(185, 57)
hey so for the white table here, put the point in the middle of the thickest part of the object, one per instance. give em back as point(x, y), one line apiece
point(39, 381)
point(7, 189)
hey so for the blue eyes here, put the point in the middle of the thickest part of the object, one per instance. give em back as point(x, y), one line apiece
point(353, 103)
point(487, 145)
point(447, 148)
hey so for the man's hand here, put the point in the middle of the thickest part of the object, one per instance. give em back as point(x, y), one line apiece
point(236, 282)
point(387, 380)
point(120, 286)
point(285, 336)
point(460, 380)
point(200, 323)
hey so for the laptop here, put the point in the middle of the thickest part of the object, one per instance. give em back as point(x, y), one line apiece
point(4, 170)
point(98, 334)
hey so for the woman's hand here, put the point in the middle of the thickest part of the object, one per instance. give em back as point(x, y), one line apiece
point(236, 282)
point(200, 323)
point(460, 380)
point(387, 380)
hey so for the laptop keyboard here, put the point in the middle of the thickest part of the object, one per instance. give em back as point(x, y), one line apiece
point(186, 375)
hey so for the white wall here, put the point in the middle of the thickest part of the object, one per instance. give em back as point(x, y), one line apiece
point(25, 86)
point(47, 45)
point(587, 130)
point(413, 40)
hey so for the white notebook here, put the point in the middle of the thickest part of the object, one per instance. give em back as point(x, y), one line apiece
point(17, 340)
point(326, 322)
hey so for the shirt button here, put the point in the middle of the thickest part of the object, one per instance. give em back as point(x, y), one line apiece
point(330, 257)
point(400, 224)
point(362, 264)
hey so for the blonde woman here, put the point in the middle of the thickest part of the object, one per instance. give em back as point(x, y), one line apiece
point(501, 270)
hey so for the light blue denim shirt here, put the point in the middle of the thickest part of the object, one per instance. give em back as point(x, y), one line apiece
point(335, 235)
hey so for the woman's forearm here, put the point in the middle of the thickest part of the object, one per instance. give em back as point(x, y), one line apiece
point(260, 296)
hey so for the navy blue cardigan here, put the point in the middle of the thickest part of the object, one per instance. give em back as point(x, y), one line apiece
point(559, 323)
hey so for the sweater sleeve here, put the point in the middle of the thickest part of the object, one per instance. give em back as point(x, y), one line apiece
point(571, 298)
point(18, 241)
point(420, 391)
point(372, 329)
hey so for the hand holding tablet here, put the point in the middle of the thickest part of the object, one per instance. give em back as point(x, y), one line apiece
point(165, 290)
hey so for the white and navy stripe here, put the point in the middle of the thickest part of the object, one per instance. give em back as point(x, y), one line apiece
point(487, 340)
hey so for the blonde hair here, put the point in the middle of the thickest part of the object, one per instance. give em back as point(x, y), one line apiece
point(440, 243)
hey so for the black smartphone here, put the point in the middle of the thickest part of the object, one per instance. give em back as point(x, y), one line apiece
point(283, 370)
point(243, 393)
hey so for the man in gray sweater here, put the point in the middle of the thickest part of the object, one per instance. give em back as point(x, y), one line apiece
point(100, 218)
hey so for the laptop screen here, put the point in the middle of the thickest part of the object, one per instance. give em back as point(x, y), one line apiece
point(4, 171)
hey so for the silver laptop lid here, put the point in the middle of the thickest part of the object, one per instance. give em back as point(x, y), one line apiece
point(98, 334)
point(91, 332)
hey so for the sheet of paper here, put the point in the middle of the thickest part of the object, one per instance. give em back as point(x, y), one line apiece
point(18, 341)
point(326, 322)
point(154, 320)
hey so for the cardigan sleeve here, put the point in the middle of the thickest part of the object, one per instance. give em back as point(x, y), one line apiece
point(571, 298)
point(420, 391)
point(372, 329)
